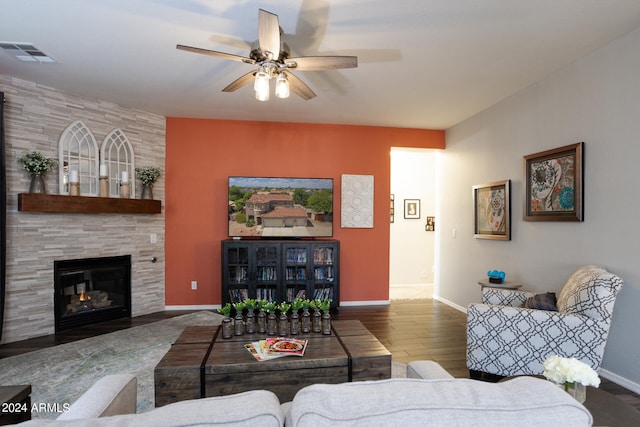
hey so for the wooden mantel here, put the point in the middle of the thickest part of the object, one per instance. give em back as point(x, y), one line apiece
point(79, 204)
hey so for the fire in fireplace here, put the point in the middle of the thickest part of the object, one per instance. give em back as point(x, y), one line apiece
point(91, 290)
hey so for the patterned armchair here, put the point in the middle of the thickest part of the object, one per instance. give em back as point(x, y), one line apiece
point(505, 339)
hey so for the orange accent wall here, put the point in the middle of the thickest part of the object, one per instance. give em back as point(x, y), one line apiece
point(202, 154)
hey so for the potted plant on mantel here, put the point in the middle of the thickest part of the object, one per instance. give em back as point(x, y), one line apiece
point(37, 165)
point(148, 175)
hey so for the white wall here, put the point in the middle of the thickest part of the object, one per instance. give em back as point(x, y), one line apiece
point(595, 100)
point(412, 249)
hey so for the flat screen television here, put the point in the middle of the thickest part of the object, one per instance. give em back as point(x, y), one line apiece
point(272, 207)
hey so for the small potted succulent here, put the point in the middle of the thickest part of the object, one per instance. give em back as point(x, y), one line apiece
point(325, 306)
point(262, 316)
point(283, 322)
point(37, 165)
point(250, 323)
point(296, 306)
point(238, 321)
point(270, 309)
point(227, 326)
point(305, 325)
point(316, 317)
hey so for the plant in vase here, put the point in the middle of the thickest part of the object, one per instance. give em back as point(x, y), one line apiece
point(571, 374)
point(325, 306)
point(37, 165)
point(238, 323)
point(148, 175)
point(262, 316)
point(283, 323)
point(250, 323)
point(296, 306)
point(270, 309)
point(227, 326)
point(315, 319)
point(305, 324)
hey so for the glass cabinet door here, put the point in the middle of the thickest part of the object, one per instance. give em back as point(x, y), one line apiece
point(323, 272)
point(267, 261)
point(296, 267)
point(237, 273)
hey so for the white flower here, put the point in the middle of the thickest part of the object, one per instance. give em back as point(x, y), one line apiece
point(562, 370)
point(148, 174)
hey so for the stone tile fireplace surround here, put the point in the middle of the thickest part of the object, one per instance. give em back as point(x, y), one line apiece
point(35, 117)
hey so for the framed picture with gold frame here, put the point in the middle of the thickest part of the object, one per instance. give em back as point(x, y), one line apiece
point(492, 210)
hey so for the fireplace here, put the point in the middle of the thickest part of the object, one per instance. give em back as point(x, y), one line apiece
point(91, 290)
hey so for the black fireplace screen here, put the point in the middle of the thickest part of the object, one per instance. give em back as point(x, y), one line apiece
point(91, 290)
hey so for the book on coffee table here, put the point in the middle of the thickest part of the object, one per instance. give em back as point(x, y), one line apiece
point(273, 348)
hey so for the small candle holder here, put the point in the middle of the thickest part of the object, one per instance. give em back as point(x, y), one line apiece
point(104, 186)
point(74, 188)
point(125, 190)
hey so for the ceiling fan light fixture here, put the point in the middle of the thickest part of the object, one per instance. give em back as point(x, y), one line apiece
point(282, 86)
point(261, 85)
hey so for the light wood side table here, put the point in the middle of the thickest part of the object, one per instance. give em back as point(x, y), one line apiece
point(485, 283)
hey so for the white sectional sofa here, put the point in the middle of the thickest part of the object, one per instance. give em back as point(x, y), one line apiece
point(428, 396)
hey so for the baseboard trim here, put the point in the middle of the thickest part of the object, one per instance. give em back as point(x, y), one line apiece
point(628, 384)
point(359, 303)
point(450, 303)
point(191, 307)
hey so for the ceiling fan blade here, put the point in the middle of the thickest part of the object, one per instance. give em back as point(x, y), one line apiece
point(269, 33)
point(299, 87)
point(310, 63)
point(215, 53)
point(241, 81)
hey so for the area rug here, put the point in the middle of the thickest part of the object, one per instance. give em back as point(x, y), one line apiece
point(60, 374)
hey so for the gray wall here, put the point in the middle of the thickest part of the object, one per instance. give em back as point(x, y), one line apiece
point(35, 117)
point(595, 100)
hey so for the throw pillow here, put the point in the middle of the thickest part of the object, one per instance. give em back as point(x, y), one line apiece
point(542, 302)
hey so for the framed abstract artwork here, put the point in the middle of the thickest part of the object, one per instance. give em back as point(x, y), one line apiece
point(412, 208)
point(492, 210)
point(554, 184)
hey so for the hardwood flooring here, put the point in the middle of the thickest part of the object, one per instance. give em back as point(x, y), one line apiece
point(419, 329)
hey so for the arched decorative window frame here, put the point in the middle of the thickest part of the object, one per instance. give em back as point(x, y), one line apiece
point(67, 161)
point(115, 166)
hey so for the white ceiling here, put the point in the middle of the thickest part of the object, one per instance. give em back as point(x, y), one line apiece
point(422, 63)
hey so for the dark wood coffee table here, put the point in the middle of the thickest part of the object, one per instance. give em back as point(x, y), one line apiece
point(202, 364)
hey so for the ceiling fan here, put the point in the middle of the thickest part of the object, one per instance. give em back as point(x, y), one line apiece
point(271, 55)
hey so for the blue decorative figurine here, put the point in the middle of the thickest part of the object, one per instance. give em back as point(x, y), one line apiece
point(496, 276)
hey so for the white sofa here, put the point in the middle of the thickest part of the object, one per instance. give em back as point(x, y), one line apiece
point(429, 396)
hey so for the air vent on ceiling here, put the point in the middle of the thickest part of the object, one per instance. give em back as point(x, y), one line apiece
point(26, 52)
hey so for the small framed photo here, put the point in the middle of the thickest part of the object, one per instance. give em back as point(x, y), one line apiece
point(412, 208)
point(492, 211)
point(554, 180)
point(431, 224)
point(391, 206)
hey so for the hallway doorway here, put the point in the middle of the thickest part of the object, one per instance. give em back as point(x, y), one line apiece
point(412, 242)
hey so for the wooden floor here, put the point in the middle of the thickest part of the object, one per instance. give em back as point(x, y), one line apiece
point(420, 329)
